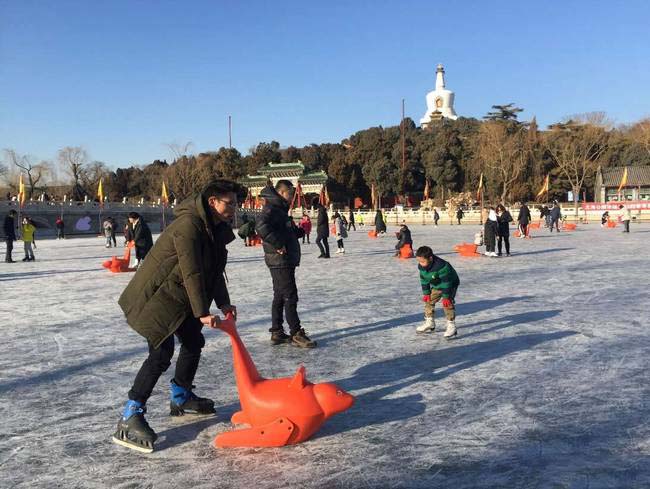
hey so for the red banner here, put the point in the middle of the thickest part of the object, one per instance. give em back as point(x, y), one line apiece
point(613, 206)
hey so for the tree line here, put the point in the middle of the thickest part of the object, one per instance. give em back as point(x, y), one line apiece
point(514, 157)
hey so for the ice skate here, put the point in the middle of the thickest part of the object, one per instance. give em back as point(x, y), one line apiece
point(133, 431)
point(185, 401)
point(428, 326)
point(301, 340)
point(450, 332)
point(280, 338)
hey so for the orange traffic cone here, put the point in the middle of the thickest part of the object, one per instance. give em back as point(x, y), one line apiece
point(279, 412)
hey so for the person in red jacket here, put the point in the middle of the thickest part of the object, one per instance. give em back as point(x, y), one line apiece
point(305, 224)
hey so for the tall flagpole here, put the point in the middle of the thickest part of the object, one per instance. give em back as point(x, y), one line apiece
point(403, 155)
point(229, 132)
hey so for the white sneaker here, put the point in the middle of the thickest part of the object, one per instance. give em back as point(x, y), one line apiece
point(343, 251)
point(338, 251)
point(428, 326)
point(450, 332)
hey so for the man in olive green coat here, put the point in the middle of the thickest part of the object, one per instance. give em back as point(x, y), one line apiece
point(171, 294)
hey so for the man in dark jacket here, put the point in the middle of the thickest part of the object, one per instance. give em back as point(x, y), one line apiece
point(171, 294)
point(380, 224)
point(282, 255)
point(10, 234)
point(404, 238)
point(459, 215)
point(524, 220)
point(141, 236)
point(322, 229)
point(556, 215)
point(351, 224)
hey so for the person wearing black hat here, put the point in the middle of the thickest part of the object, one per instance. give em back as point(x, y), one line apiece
point(10, 234)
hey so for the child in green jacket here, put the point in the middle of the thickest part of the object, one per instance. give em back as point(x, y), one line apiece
point(439, 282)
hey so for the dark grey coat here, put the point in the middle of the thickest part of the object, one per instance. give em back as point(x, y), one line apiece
point(277, 230)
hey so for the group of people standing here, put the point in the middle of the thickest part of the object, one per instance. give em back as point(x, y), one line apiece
point(496, 230)
point(551, 216)
point(28, 235)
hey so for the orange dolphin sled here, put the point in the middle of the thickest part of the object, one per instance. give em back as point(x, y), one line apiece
point(466, 249)
point(117, 265)
point(279, 412)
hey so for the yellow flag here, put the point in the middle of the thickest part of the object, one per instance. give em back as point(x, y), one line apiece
point(164, 198)
point(623, 180)
point(21, 191)
point(480, 187)
point(100, 193)
point(544, 187)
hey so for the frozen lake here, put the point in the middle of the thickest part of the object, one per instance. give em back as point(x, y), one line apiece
point(546, 385)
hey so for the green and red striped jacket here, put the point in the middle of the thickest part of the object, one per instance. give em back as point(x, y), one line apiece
point(439, 275)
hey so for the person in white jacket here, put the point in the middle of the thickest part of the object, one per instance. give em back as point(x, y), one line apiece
point(626, 217)
point(341, 232)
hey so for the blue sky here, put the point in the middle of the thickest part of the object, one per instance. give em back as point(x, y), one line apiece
point(123, 78)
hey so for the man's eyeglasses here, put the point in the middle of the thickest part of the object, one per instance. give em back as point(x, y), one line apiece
point(228, 203)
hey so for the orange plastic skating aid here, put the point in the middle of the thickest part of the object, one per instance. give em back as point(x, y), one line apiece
point(466, 249)
point(534, 225)
point(372, 234)
point(279, 412)
point(406, 252)
point(567, 226)
point(119, 265)
point(611, 224)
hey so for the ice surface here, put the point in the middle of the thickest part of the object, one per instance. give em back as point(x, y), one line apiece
point(546, 385)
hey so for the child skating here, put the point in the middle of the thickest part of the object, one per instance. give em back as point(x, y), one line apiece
point(439, 282)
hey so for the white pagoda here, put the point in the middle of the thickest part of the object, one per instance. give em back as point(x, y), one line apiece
point(440, 102)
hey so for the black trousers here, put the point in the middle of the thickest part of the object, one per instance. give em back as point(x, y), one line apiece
point(159, 360)
point(323, 245)
point(351, 225)
point(285, 300)
point(627, 226)
point(10, 247)
point(505, 239)
point(489, 243)
point(555, 223)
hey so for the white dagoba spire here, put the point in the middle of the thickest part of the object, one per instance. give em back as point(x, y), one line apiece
point(440, 102)
point(440, 77)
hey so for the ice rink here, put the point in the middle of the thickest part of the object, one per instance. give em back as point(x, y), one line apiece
point(546, 385)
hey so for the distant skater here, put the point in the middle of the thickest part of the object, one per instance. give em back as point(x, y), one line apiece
point(503, 227)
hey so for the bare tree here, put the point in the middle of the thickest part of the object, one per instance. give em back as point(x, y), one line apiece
point(92, 174)
point(179, 150)
point(576, 147)
point(504, 149)
point(73, 160)
point(186, 176)
point(640, 132)
point(35, 171)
